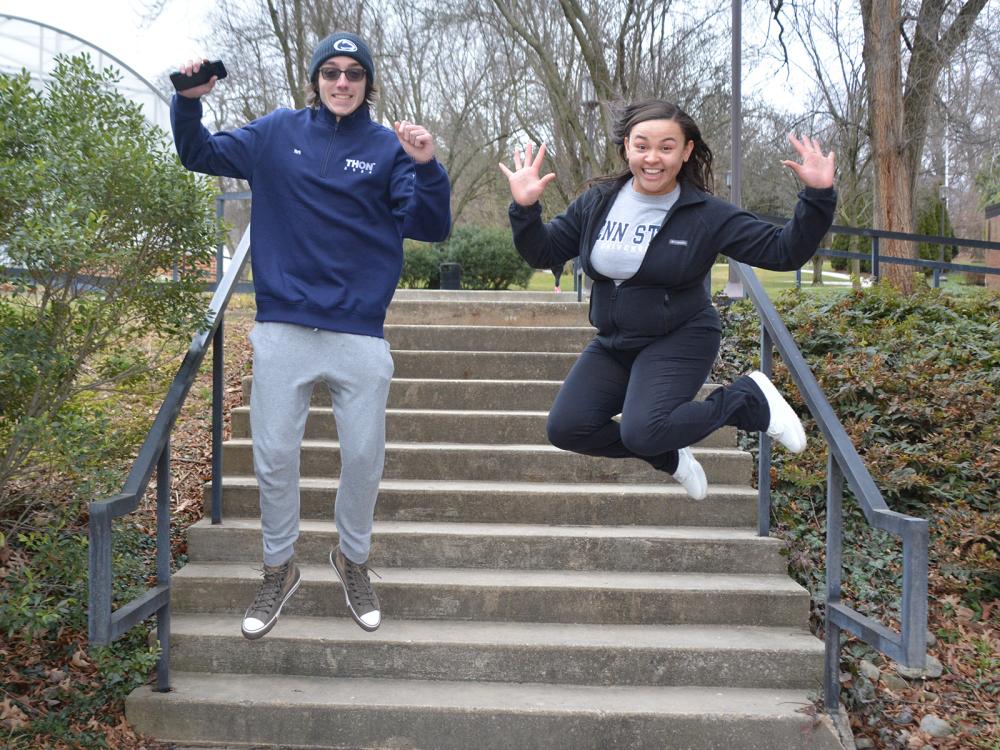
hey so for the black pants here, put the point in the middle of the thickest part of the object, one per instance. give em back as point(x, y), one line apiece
point(653, 389)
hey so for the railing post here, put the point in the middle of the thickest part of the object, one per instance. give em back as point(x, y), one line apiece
point(163, 566)
point(220, 208)
point(764, 454)
point(834, 558)
point(99, 598)
point(218, 395)
point(913, 609)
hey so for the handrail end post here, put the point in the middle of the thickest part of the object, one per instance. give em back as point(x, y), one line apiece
point(831, 670)
point(100, 575)
point(163, 661)
point(916, 541)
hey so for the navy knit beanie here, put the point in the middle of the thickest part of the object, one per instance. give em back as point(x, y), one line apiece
point(342, 43)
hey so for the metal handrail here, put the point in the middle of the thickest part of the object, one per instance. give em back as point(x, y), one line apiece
point(910, 644)
point(874, 257)
point(104, 624)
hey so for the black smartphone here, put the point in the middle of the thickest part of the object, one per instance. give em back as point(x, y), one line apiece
point(205, 72)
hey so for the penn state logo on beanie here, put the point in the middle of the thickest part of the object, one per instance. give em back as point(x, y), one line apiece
point(342, 43)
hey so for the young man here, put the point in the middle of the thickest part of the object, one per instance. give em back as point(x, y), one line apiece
point(334, 193)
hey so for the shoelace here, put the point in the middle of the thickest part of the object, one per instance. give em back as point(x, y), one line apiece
point(270, 590)
point(359, 584)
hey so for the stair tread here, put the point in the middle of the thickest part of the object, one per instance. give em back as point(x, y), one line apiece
point(434, 412)
point(483, 330)
point(284, 690)
point(532, 634)
point(470, 447)
point(527, 382)
point(459, 528)
point(474, 577)
point(668, 488)
point(477, 352)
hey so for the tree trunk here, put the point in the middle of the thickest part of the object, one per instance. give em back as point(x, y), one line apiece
point(899, 119)
point(817, 264)
point(893, 197)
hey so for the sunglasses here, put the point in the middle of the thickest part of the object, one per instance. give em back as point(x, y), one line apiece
point(333, 74)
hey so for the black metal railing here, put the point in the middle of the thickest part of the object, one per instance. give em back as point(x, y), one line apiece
point(105, 624)
point(876, 259)
point(843, 464)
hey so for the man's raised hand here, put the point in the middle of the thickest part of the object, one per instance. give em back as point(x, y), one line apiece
point(416, 140)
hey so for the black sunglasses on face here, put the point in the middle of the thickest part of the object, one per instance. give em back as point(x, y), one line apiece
point(333, 74)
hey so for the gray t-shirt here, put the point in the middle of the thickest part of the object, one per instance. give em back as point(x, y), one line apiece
point(632, 222)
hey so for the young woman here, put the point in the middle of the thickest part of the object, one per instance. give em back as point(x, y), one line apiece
point(648, 236)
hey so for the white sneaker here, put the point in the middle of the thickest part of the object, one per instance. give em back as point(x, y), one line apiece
point(690, 474)
point(785, 426)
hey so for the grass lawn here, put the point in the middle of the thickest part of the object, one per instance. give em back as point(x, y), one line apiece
point(774, 282)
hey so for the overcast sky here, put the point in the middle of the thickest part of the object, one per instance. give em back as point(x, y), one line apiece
point(152, 49)
point(117, 27)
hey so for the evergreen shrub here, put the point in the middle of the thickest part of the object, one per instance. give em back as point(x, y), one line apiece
point(915, 382)
point(421, 265)
point(488, 258)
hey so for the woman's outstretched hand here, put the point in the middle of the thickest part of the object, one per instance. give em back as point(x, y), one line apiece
point(526, 182)
point(816, 170)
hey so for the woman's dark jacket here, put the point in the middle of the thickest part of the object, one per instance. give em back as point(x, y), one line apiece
point(669, 287)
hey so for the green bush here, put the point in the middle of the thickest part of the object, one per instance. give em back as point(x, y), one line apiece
point(98, 212)
point(488, 258)
point(421, 265)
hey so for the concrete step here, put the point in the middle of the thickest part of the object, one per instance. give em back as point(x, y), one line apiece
point(548, 312)
point(518, 463)
point(421, 544)
point(501, 395)
point(489, 395)
point(482, 365)
point(323, 712)
point(663, 503)
point(488, 295)
point(469, 338)
point(606, 597)
point(747, 657)
point(454, 426)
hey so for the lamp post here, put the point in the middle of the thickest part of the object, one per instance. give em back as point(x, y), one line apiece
point(734, 287)
point(943, 196)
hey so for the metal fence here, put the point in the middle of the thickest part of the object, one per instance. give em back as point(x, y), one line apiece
point(876, 259)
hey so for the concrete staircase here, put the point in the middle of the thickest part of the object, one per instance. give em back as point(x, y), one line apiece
point(532, 598)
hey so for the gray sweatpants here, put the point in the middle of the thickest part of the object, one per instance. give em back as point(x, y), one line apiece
point(287, 361)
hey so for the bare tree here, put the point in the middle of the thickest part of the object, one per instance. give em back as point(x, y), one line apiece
point(829, 36)
point(482, 80)
point(577, 61)
point(923, 36)
point(962, 135)
point(446, 75)
point(900, 108)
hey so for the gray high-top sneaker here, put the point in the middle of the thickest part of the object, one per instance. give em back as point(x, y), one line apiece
point(361, 599)
point(280, 582)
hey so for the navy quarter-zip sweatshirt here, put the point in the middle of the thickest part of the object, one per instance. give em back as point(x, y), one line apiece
point(332, 201)
point(668, 289)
